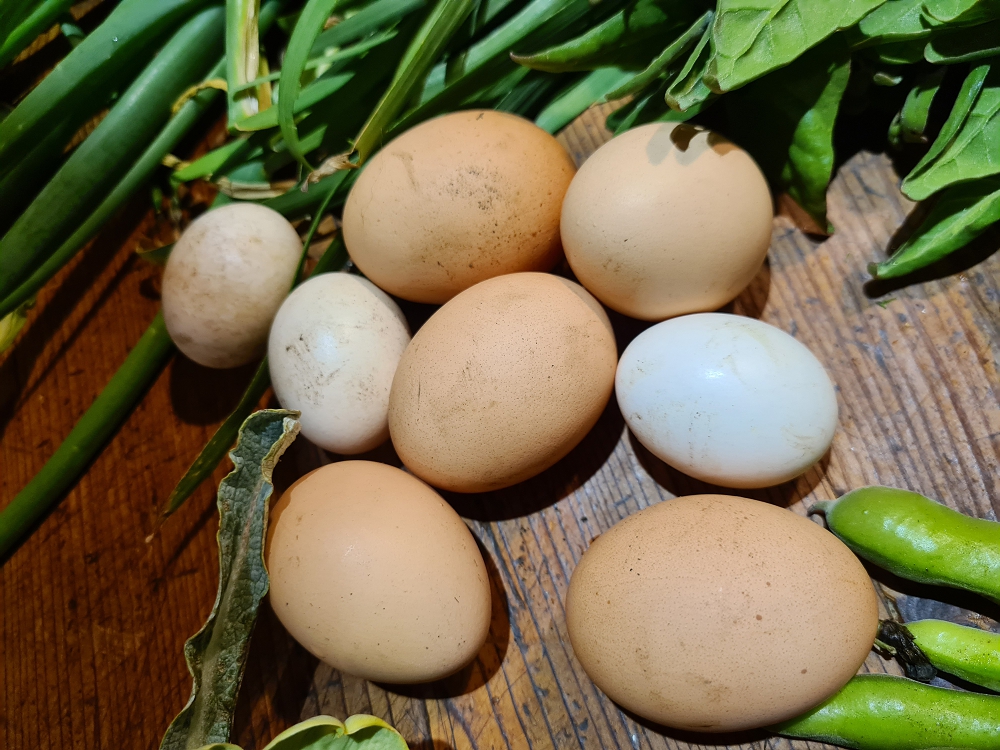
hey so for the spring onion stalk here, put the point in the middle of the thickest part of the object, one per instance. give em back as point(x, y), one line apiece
point(85, 441)
point(105, 156)
point(28, 30)
point(141, 171)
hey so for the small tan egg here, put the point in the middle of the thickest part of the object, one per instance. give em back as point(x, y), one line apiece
point(376, 575)
point(667, 219)
point(502, 382)
point(456, 200)
point(715, 613)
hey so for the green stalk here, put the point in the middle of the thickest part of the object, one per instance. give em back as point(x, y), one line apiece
point(85, 441)
point(140, 172)
point(106, 155)
point(28, 30)
point(79, 86)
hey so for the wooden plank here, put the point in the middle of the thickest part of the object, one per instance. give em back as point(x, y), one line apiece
point(93, 618)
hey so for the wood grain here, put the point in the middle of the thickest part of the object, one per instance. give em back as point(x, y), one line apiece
point(93, 618)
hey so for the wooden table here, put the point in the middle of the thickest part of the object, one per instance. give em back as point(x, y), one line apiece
point(94, 617)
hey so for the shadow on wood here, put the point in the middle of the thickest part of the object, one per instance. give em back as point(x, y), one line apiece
point(206, 395)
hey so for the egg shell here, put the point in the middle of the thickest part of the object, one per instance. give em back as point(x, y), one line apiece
point(224, 281)
point(333, 351)
point(715, 613)
point(667, 219)
point(456, 200)
point(727, 399)
point(502, 382)
point(376, 575)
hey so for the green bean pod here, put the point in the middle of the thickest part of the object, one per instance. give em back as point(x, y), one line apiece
point(883, 712)
point(969, 653)
point(917, 538)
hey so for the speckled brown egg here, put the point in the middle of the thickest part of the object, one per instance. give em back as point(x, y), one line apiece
point(502, 382)
point(456, 200)
point(667, 219)
point(376, 575)
point(715, 613)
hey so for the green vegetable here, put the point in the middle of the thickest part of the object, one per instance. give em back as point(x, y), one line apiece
point(358, 732)
point(969, 653)
point(665, 59)
point(961, 12)
point(86, 439)
point(753, 37)
point(964, 45)
point(892, 21)
point(574, 101)
point(217, 653)
point(961, 214)
point(919, 539)
point(882, 712)
point(966, 147)
point(79, 85)
point(627, 39)
point(106, 155)
point(242, 58)
point(786, 121)
point(45, 14)
point(688, 89)
point(910, 124)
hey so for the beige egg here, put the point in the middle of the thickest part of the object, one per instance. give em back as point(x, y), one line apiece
point(376, 575)
point(502, 382)
point(715, 613)
point(667, 219)
point(456, 200)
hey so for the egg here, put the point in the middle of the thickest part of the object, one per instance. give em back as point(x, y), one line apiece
point(727, 399)
point(333, 350)
point(374, 574)
point(456, 200)
point(224, 281)
point(714, 613)
point(502, 382)
point(667, 219)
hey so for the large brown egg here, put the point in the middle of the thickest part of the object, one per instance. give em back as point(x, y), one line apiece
point(374, 574)
point(456, 200)
point(667, 219)
point(502, 382)
point(715, 613)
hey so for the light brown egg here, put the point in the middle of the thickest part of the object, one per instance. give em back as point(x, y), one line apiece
point(502, 382)
point(667, 219)
point(374, 574)
point(456, 200)
point(715, 613)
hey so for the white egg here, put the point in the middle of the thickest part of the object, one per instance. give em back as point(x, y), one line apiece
point(333, 350)
point(727, 399)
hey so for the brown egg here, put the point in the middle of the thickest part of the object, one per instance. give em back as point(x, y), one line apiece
point(456, 200)
point(374, 574)
point(502, 382)
point(667, 219)
point(715, 613)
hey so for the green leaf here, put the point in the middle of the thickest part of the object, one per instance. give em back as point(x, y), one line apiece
point(575, 100)
point(216, 654)
point(242, 58)
point(665, 59)
point(688, 89)
point(651, 108)
point(88, 436)
point(912, 120)
point(961, 214)
point(12, 323)
point(45, 14)
point(968, 146)
point(368, 20)
point(752, 37)
point(359, 732)
point(786, 122)
point(893, 21)
point(961, 12)
point(628, 39)
point(964, 45)
point(307, 29)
